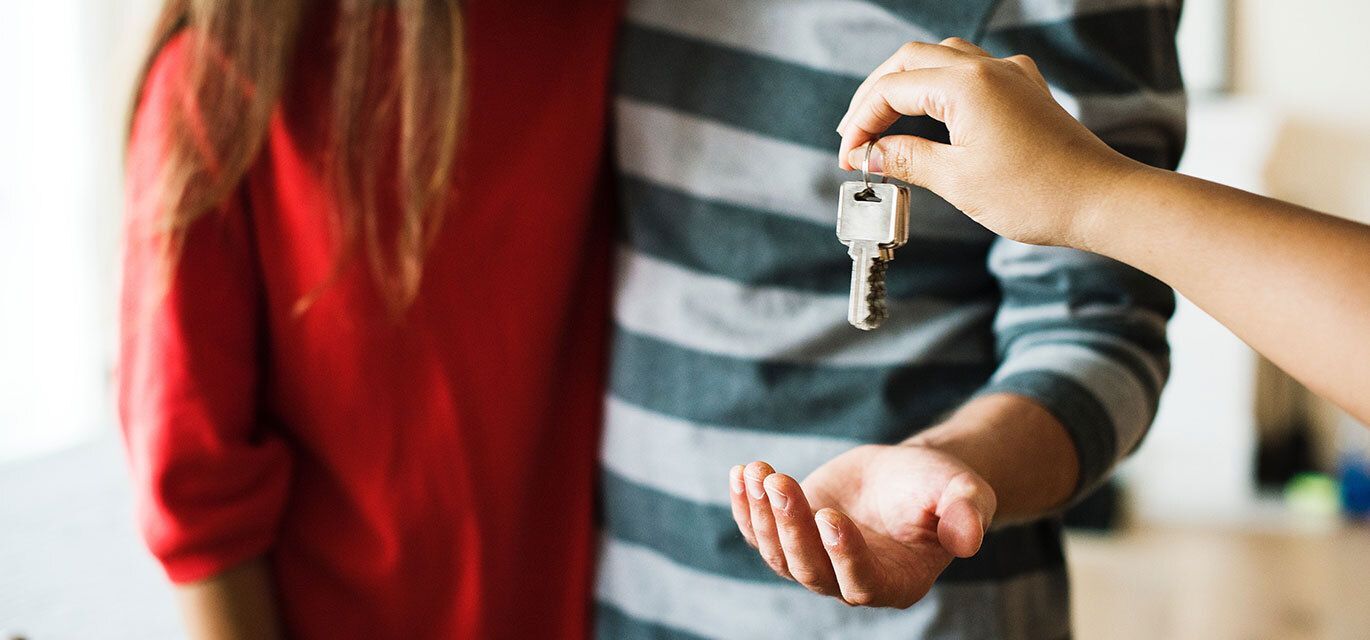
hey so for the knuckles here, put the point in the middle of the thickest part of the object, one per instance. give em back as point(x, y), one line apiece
point(979, 78)
point(776, 561)
point(813, 581)
point(864, 597)
point(981, 70)
point(910, 49)
point(1022, 60)
point(860, 598)
point(955, 42)
point(1024, 66)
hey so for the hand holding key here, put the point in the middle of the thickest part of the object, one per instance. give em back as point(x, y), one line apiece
point(1017, 162)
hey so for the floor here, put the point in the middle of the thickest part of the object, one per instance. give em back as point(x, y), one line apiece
point(1196, 583)
point(72, 565)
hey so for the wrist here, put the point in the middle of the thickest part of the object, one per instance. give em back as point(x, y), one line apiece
point(963, 439)
point(1105, 193)
point(1018, 447)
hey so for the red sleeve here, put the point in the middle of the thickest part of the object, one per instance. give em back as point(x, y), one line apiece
point(210, 478)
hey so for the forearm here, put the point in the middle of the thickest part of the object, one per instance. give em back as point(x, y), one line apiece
point(1289, 281)
point(1020, 449)
point(238, 604)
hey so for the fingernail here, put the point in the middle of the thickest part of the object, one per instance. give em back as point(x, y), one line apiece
point(877, 162)
point(755, 489)
point(778, 499)
point(827, 532)
point(843, 122)
point(735, 479)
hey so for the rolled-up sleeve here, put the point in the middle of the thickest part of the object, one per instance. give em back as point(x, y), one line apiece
point(210, 475)
point(1081, 334)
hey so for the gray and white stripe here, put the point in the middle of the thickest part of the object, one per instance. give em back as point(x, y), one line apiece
point(812, 33)
point(1064, 312)
point(1011, 259)
point(1024, 13)
point(645, 585)
point(1115, 387)
point(1114, 117)
point(1156, 368)
point(691, 461)
point(716, 315)
point(801, 32)
point(750, 170)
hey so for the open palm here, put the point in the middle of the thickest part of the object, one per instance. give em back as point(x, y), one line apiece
point(874, 526)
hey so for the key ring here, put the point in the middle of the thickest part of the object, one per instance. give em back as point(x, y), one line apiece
point(866, 165)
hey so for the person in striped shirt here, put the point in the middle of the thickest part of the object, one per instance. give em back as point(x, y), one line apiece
point(1015, 376)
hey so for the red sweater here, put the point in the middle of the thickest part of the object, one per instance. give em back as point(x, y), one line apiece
point(427, 478)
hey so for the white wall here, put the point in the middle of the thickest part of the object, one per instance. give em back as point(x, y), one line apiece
point(61, 120)
point(1308, 59)
point(51, 386)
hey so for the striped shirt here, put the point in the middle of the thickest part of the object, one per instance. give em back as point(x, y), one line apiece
point(731, 342)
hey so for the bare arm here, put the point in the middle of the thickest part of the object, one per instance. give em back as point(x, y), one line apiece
point(1292, 283)
point(237, 604)
point(211, 477)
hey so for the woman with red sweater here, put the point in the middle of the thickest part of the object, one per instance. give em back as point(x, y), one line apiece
point(363, 314)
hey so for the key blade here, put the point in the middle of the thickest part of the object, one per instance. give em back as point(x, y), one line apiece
point(866, 305)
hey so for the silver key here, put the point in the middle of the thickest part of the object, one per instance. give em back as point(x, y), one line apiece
point(873, 221)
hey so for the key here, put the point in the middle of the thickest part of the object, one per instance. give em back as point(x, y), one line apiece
point(873, 221)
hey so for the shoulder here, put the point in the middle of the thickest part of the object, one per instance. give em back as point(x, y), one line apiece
point(164, 81)
point(159, 96)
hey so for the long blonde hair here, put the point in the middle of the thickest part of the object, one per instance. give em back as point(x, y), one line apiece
point(241, 59)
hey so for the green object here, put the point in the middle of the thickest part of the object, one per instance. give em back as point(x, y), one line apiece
point(1313, 493)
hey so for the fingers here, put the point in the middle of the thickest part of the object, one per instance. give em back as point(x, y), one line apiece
point(916, 92)
point(924, 79)
point(763, 520)
point(742, 513)
point(964, 514)
point(805, 557)
point(914, 160)
point(960, 530)
point(857, 575)
point(913, 55)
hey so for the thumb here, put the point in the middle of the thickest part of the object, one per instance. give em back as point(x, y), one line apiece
point(964, 514)
point(912, 159)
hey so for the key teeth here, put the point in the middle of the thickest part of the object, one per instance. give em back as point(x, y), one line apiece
point(876, 310)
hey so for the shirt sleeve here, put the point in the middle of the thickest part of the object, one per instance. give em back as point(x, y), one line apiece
point(1081, 334)
point(210, 478)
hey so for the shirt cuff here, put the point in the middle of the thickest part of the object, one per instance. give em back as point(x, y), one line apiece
point(1085, 419)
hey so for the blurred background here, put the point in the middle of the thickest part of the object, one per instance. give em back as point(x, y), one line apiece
point(1242, 516)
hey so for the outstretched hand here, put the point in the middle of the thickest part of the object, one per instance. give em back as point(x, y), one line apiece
point(874, 526)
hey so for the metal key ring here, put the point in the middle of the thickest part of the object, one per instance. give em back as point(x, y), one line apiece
point(866, 165)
